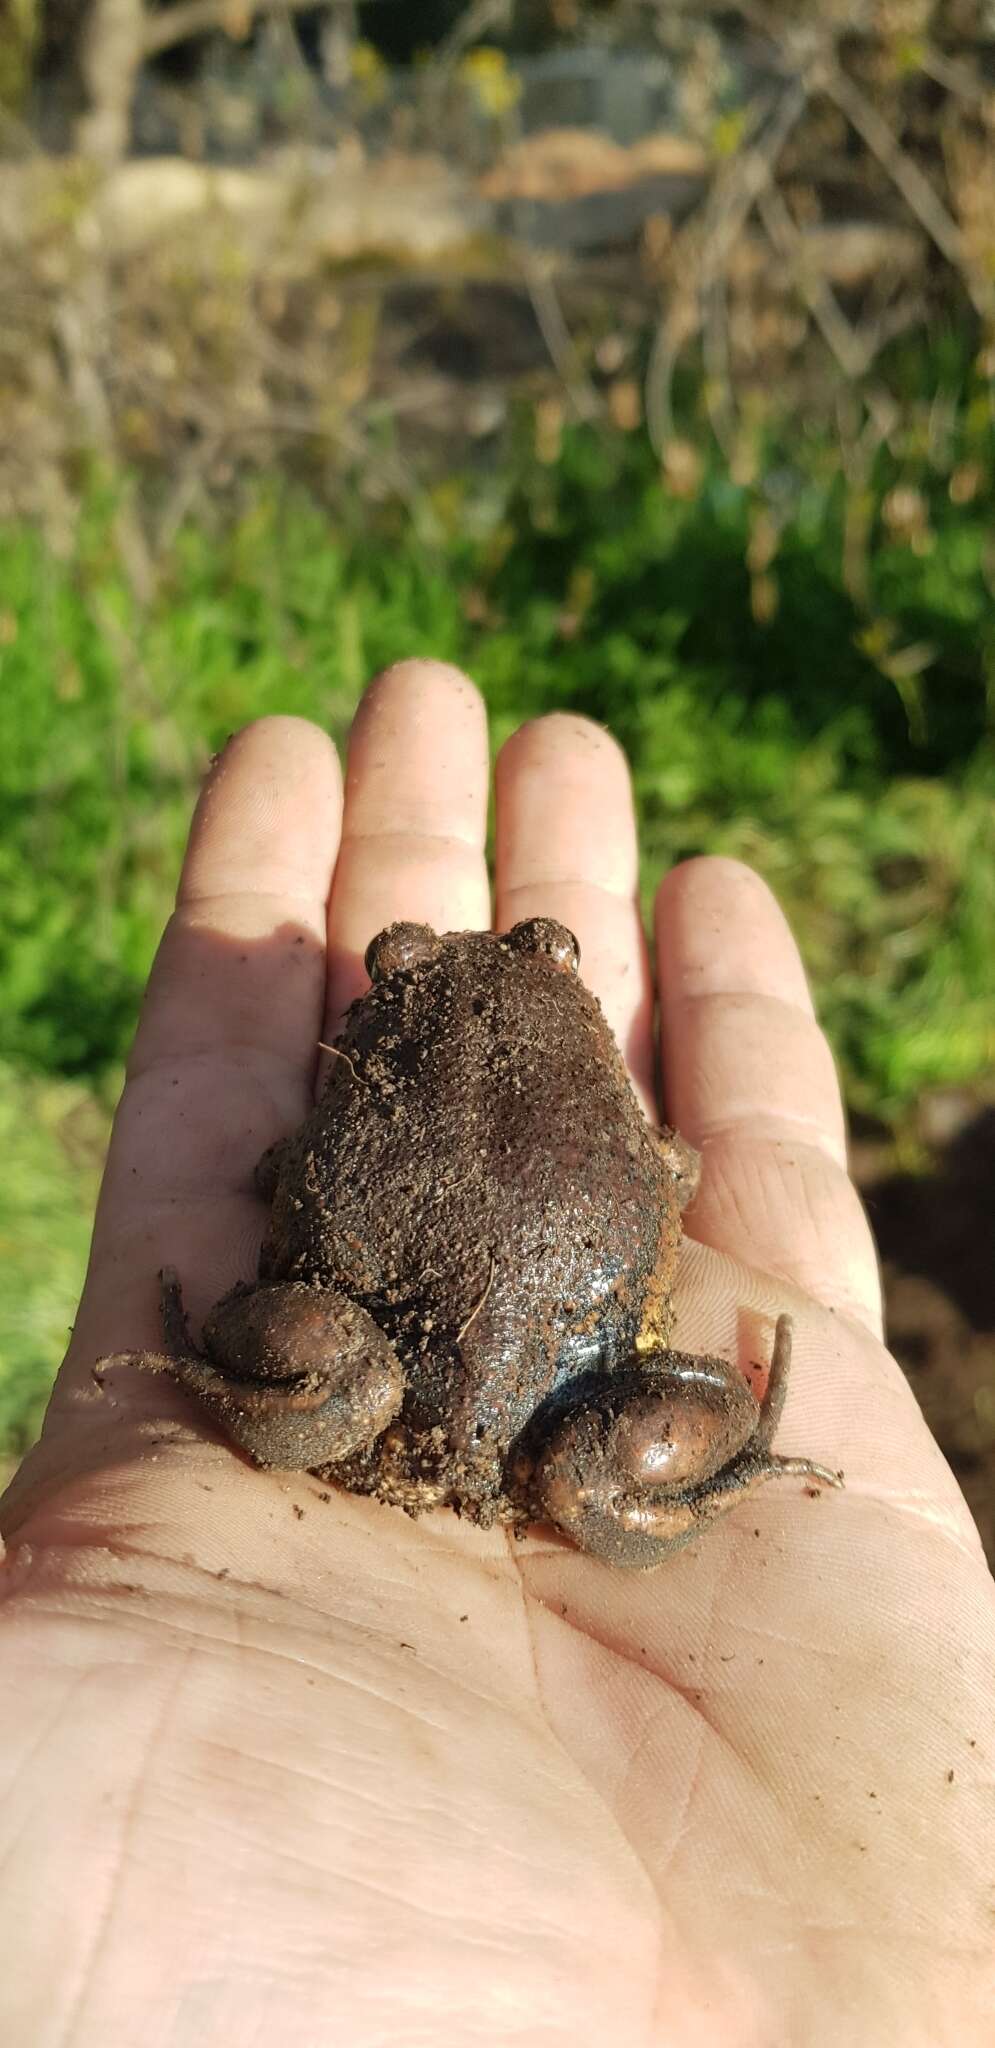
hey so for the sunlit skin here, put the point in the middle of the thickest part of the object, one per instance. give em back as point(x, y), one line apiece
point(279, 1764)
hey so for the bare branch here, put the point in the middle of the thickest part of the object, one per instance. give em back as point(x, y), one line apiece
point(908, 179)
point(715, 356)
point(556, 334)
point(80, 323)
point(748, 175)
point(172, 25)
point(477, 20)
point(669, 339)
point(849, 349)
point(732, 200)
point(962, 80)
point(110, 55)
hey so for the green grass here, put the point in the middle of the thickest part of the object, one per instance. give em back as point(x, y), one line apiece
point(52, 1134)
point(844, 748)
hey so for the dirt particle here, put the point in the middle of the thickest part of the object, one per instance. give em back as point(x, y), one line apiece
point(950, 1777)
point(299, 1511)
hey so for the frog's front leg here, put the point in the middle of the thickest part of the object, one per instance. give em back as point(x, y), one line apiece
point(297, 1376)
point(683, 1161)
point(269, 1168)
point(656, 1453)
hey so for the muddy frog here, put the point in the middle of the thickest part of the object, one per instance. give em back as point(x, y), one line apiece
point(465, 1292)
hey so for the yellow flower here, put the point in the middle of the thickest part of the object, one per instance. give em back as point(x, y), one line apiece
point(369, 73)
point(728, 131)
point(488, 77)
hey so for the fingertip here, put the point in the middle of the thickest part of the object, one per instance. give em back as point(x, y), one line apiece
point(268, 816)
point(569, 744)
point(281, 739)
point(418, 690)
point(724, 868)
point(277, 727)
point(720, 929)
point(565, 809)
point(415, 817)
point(418, 754)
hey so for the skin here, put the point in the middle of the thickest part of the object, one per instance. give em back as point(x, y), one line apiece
point(275, 1767)
point(480, 1316)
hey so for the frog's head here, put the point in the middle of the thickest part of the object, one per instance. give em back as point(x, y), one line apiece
point(403, 946)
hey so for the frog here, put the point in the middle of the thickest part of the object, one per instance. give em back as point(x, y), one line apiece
point(465, 1293)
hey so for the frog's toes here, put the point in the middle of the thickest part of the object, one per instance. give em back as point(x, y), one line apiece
point(269, 1168)
point(683, 1161)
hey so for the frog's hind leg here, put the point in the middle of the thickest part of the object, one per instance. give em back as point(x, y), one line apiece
point(653, 1455)
point(297, 1376)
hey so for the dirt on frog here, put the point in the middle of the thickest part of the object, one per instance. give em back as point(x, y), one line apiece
point(936, 1234)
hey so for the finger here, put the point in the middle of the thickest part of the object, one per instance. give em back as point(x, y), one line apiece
point(225, 1051)
point(749, 1078)
point(414, 831)
point(566, 848)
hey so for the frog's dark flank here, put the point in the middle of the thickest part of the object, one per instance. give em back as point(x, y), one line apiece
point(465, 1292)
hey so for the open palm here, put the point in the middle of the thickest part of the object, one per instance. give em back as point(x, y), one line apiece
point(280, 1765)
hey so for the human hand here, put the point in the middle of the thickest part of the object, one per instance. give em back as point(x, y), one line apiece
point(289, 1768)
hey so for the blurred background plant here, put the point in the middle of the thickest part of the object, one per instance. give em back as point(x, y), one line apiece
point(638, 356)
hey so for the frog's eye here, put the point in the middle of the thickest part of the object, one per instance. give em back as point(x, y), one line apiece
point(401, 945)
point(544, 935)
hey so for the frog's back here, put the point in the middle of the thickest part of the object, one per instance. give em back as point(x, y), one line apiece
point(478, 1153)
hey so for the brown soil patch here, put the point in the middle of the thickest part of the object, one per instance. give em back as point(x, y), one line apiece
point(936, 1234)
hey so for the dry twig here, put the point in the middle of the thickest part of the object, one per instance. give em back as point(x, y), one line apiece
point(559, 341)
point(474, 1312)
point(852, 350)
point(733, 197)
point(908, 179)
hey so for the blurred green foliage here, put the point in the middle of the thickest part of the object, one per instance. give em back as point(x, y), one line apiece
point(830, 723)
point(53, 1134)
